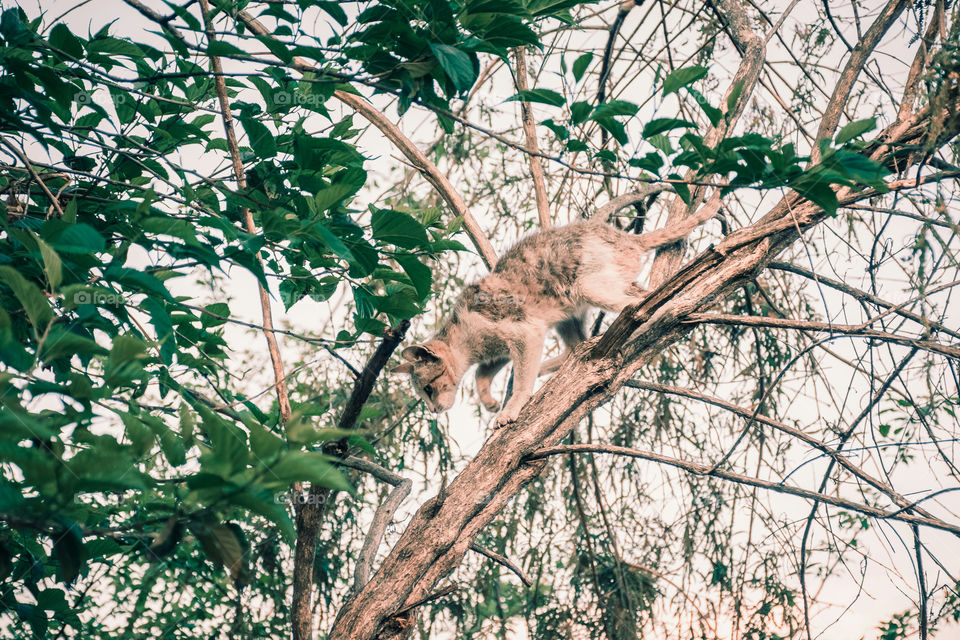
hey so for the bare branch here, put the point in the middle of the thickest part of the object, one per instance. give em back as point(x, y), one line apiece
point(54, 201)
point(530, 132)
point(855, 63)
point(701, 469)
point(499, 559)
point(382, 517)
point(240, 176)
point(863, 295)
point(950, 351)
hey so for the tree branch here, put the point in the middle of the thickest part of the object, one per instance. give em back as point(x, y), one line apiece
point(701, 469)
point(950, 351)
point(240, 176)
point(855, 63)
point(382, 517)
point(530, 132)
point(499, 559)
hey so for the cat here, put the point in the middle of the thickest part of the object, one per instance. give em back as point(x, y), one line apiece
point(550, 278)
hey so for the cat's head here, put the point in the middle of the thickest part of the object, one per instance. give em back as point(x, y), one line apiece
point(432, 372)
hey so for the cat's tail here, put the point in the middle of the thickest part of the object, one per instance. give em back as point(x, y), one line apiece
point(680, 230)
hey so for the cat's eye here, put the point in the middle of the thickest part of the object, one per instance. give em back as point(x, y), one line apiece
point(428, 390)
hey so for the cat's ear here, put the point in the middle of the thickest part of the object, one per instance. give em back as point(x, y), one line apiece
point(406, 367)
point(419, 353)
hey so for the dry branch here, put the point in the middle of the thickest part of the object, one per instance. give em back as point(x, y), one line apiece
point(530, 133)
point(240, 176)
point(701, 469)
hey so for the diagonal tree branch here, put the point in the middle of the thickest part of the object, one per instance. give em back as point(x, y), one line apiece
point(851, 71)
point(444, 527)
point(701, 469)
point(530, 132)
point(240, 176)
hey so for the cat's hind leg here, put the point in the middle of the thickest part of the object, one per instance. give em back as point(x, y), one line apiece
point(486, 371)
point(572, 332)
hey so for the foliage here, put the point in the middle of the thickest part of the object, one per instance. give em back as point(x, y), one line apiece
point(136, 464)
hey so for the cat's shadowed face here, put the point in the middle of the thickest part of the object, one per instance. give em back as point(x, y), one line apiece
point(433, 379)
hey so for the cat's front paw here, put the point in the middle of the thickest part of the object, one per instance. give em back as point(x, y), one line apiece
point(505, 417)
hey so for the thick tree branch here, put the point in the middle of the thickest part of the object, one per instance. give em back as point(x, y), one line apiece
point(444, 527)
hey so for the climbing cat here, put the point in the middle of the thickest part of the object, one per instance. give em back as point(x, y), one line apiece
point(550, 278)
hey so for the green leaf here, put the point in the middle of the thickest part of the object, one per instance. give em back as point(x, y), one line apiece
point(31, 298)
point(456, 64)
point(659, 125)
point(309, 466)
point(580, 65)
point(221, 48)
point(223, 544)
point(61, 342)
point(855, 130)
point(681, 188)
point(62, 38)
point(419, 273)
point(681, 78)
point(80, 238)
point(219, 313)
point(259, 137)
point(400, 229)
point(734, 97)
point(264, 444)
point(614, 108)
point(69, 551)
point(884, 430)
point(543, 96)
point(52, 265)
point(579, 112)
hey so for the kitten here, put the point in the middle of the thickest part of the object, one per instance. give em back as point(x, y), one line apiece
point(550, 278)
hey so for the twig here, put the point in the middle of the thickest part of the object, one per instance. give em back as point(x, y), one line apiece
point(700, 469)
point(844, 437)
point(382, 516)
point(33, 174)
point(221, 88)
point(950, 351)
point(499, 559)
point(863, 295)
